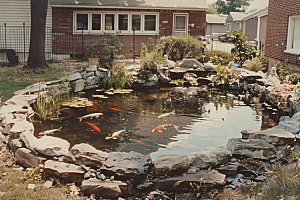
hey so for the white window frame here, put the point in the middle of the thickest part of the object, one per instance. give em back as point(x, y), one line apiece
point(186, 25)
point(236, 23)
point(228, 25)
point(91, 21)
point(128, 23)
point(75, 22)
point(290, 36)
point(116, 23)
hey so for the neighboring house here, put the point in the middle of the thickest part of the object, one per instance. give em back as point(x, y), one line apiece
point(215, 23)
point(255, 27)
point(234, 21)
point(149, 18)
point(283, 33)
point(15, 21)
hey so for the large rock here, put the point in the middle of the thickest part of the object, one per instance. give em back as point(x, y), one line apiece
point(270, 81)
point(29, 140)
point(35, 88)
point(229, 169)
point(72, 77)
point(20, 127)
point(14, 144)
point(28, 158)
point(52, 146)
point(64, 170)
point(125, 166)
point(289, 124)
point(77, 85)
point(85, 154)
point(214, 156)
point(214, 178)
point(92, 81)
point(253, 148)
point(171, 164)
point(275, 136)
point(190, 63)
point(106, 189)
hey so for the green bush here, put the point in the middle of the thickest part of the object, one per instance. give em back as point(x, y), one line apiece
point(177, 47)
point(218, 57)
point(109, 50)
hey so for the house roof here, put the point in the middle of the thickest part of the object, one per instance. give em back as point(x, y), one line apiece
point(146, 4)
point(258, 13)
point(237, 16)
point(216, 19)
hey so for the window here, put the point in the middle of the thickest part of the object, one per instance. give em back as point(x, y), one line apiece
point(228, 27)
point(109, 22)
point(180, 22)
point(293, 36)
point(150, 22)
point(123, 22)
point(82, 21)
point(96, 21)
point(103, 22)
point(238, 25)
point(136, 22)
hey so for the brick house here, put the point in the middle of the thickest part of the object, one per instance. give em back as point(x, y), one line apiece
point(283, 33)
point(88, 20)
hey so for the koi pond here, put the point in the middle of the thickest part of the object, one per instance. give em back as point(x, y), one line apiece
point(199, 119)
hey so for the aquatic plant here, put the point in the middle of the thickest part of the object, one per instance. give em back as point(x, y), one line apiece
point(197, 188)
point(150, 60)
point(48, 108)
point(119, 80)
point(255, 65)
point(224, 74)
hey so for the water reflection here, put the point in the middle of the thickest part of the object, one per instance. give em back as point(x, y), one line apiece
point(202, 120)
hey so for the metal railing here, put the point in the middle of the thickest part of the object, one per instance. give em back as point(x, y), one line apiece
point(63, 43)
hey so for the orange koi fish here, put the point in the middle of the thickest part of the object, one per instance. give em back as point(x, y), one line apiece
point(143, 144)
point(116, 109)
point(239, 114)
point(94, 128)
point(210, 124)
point(162, 126)
point(248, 129)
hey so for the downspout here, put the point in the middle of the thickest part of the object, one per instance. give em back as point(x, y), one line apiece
point(258, 34)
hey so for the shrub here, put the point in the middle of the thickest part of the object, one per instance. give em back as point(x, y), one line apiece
point(149, 60)
point(177, 47)
point(217, 57)
point(255, 65)
point(109, 50)
point(242, 51)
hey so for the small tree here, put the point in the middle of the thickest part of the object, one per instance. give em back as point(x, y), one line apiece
point(242, 51)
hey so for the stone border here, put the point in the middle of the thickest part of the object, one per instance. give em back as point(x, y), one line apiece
point(116, 174)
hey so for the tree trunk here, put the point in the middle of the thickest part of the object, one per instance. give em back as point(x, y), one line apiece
point(36, 57)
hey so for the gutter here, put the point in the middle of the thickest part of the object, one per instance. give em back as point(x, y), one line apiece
point(130, 7)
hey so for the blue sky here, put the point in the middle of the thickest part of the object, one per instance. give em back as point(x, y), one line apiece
point(260, 4)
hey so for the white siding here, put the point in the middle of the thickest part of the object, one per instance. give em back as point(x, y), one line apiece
point(14, 13)
point(17, 12)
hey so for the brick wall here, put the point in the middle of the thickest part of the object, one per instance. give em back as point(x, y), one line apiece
point(63, 18)
point(277, 29)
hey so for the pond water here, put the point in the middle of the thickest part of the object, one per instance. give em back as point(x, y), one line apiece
point(201, 120)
